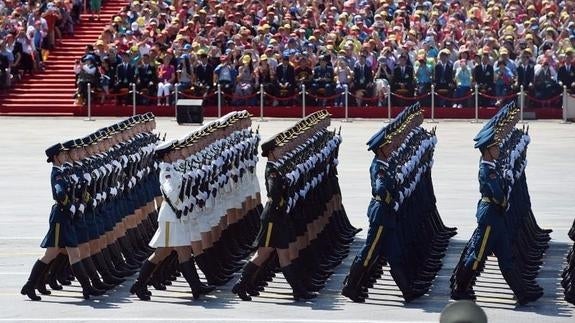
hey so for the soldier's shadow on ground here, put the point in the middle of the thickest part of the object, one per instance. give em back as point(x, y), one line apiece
point(493, 292)
point(384, 292)
point(73, 295)
point(491, 289)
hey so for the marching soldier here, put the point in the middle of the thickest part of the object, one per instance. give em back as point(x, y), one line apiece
point(173, 233)
point(300, 176)
point(209, 173)
point(62, 233)
point(497, 230)
point(110, 196)
point(568, 274)
point(405, 229)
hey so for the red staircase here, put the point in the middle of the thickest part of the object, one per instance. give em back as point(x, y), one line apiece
point(51, 92)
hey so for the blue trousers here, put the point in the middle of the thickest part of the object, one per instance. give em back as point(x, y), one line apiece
point(487, 239)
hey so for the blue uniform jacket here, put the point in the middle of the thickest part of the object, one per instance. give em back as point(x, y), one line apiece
point(491, 207)
point(381, 209)
point(59, 186)
point(60, 194)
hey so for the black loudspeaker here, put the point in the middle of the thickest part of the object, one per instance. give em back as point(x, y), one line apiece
point(190, 111)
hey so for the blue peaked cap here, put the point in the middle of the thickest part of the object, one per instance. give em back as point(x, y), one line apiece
point(486, 136)
point(377, 139)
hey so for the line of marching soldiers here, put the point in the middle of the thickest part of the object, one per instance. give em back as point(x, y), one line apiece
point(506, 225)
point(305, 232)
point(568, 281)
point(211, 206)
point(405, 229)
point(104, 188)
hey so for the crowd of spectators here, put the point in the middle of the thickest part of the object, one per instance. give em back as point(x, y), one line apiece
point(29, 30)
point(366, 46)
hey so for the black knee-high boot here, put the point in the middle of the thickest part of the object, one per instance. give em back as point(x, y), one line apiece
point(43, 279)
point(140, 287)
point(59, 263)
point(82, 277)
point(299, 291)
point(93, 275)
point(189, 272)
point(243, 284)
point(36, 273)
point(103, 268)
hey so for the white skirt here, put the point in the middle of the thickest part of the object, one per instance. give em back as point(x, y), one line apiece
point(171, 234)
point(195, 233)
point(203, 220)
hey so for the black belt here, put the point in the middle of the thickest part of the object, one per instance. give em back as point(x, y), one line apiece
point(178, 213)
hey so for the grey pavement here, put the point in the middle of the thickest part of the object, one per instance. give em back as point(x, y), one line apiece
point(26, 200)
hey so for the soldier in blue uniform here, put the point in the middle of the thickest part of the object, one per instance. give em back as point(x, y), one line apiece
point(383, 236)
point(81, 197)
point(62, 233)
point(492, 234)
point(405, 229)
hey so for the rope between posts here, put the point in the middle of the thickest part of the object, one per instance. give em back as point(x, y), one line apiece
point(505, 97)
point(150, 96)
point(240, 97)
point(188, 96)
point(463, 98)
point(536, 100)
point(417, 97)
point(115, 95)
point(317, 97)
point(363, 98)
point(291, 97)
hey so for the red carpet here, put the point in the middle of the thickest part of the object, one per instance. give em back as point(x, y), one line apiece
point(50, 92)
point(297, 112)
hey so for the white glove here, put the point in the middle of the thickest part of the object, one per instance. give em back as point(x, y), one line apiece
point(81, 208)
point(87, 177)
point(73, 209)
point(104, 195)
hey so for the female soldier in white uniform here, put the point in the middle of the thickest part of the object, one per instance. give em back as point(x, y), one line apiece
point(173, 232)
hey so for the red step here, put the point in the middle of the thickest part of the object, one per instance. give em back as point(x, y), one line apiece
point(50, 92)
